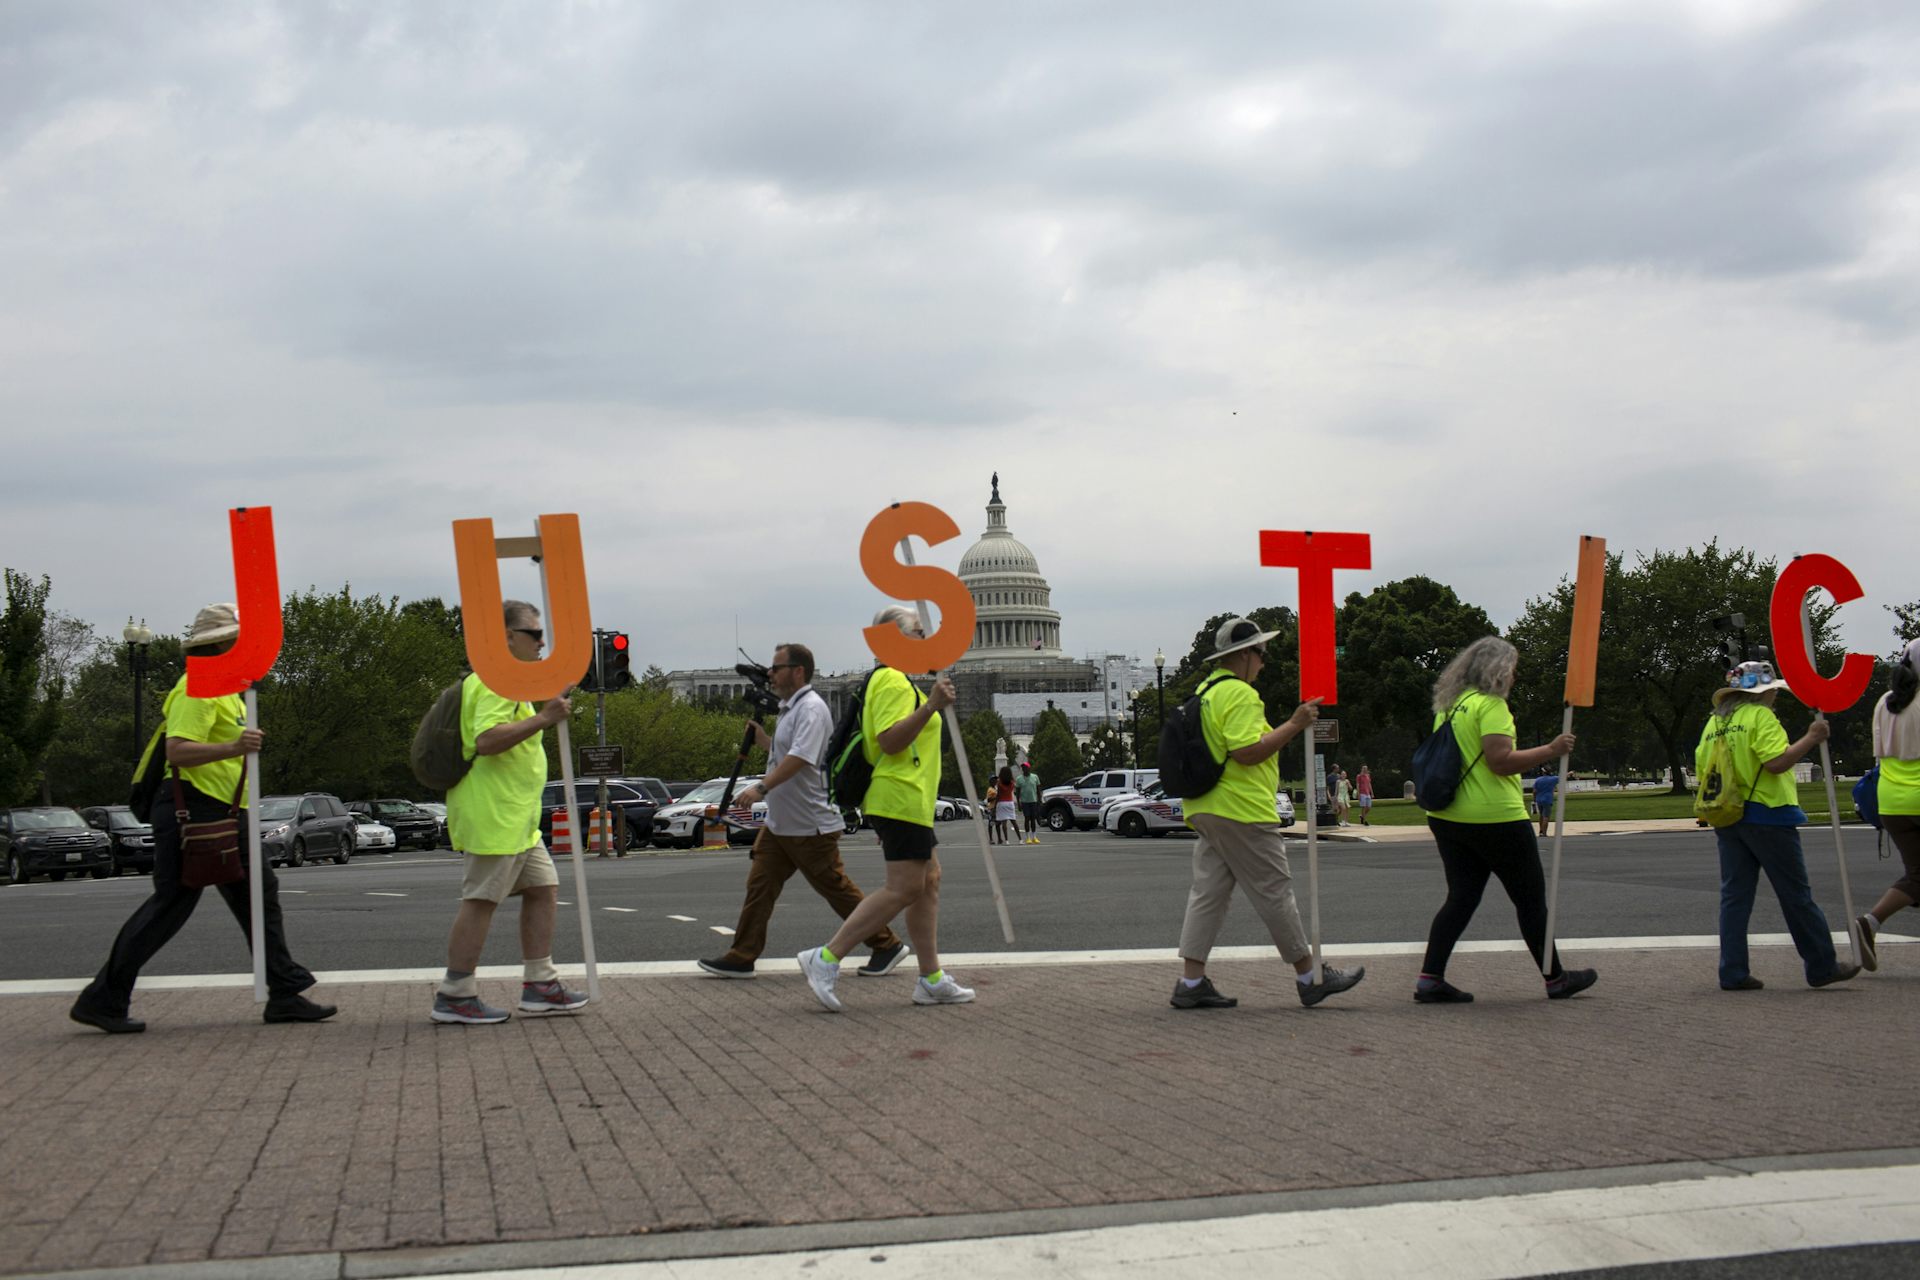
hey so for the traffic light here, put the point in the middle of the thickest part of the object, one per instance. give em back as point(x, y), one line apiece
point(616, 662)
point(1729, 652)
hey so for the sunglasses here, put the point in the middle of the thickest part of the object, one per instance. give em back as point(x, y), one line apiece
point(539, 636)
point(787, 666)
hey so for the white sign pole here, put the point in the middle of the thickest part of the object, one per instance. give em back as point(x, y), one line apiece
point(1559, 833)
point(571, 798)
point(1313, 854)
point(966, 776)
point(1833, 798)
point(256, 891)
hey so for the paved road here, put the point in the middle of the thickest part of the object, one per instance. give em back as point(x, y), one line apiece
point(1078, 891)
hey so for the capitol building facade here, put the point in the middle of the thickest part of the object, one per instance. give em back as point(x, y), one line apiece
point(1016, 665)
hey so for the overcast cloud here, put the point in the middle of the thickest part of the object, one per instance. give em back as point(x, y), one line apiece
point(1474, 277)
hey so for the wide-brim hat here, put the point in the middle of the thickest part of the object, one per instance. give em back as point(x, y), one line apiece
point(1749, 677)
point(215, 624)
point(1236, 634)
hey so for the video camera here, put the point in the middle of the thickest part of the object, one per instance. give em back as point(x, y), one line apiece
point(758, 695)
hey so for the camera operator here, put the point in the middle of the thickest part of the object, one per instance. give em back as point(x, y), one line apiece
point(803, 830)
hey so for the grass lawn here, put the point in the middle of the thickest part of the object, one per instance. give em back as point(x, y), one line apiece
point(1616, 806)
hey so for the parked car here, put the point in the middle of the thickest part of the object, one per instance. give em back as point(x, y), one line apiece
point(1153, 812)
point(956, 807)
point(372, 837)
point(132, 839)
point(1079, 804)
point(623, 797)
point(294, 829)
point(410, 823)
point(654, 789)
point(439, 811)
point(678, 825)
point(51, 840)
point(678, 790)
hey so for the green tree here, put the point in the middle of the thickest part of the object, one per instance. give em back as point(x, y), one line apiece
point(91, 758)
point(1106, 748)
point(29, 703)
point(1054, 750)
point(664, 737)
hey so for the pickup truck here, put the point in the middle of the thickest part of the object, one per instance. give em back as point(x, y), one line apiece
point(1079, 804)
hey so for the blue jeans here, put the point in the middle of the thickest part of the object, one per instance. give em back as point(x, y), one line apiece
point(1747, 849)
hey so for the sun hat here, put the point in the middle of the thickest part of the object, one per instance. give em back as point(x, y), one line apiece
point(1236, 634)
point(214, 624)
point(1748, 677)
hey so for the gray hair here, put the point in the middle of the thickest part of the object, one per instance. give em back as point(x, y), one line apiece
point(897, 615)
point(518, 611)
point(1486, 665)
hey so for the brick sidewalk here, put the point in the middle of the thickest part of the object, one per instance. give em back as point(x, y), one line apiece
point(689, 1103)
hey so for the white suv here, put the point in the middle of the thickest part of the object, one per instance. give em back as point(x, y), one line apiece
point(1079, 804)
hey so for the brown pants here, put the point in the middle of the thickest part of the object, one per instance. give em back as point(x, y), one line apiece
point(775, 859)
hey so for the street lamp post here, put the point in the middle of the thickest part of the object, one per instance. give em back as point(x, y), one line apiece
point(1133, 700)
point(1160, 683)
point(138, 637)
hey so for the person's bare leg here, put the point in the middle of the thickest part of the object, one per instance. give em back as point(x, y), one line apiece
point(1891, 901)
point(905, 883)
point(469, 936)
point(538, 907)
point(923, 922)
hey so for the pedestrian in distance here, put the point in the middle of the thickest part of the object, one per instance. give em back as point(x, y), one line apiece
point(205, 741)
point(1896, 741)
point(1544, 785)
point(1767, 835)
point(1027, 788)
point(803, 828)
point(990, 802)
point(1240, 843)
point(1363, 793)
point(1003, 808)
point(1485, 831)
point(1342, 793)
point(493, 822)
point(900, 738)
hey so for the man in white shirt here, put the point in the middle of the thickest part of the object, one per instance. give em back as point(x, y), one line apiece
point(803, 830)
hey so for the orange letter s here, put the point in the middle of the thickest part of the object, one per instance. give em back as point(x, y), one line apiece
point(916, 582)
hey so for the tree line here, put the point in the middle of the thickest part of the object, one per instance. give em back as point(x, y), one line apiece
point(356, 672)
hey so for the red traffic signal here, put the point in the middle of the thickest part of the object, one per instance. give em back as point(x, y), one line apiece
point(616, 663)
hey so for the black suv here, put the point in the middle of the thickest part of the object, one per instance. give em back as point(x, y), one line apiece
point(409, 823)
point(626, 797)
point(296, 828)
point(132, 838)
point(49, 840)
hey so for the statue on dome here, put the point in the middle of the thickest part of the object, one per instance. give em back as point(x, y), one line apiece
point(996, 486)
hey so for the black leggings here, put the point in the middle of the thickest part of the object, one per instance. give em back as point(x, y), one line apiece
point(1471, 852)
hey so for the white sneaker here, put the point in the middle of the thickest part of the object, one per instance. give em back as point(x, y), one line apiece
point(821, 976)
point(946, 991)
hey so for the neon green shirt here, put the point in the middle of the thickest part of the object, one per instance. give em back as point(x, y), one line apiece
point(495, 809)
point(1754, 736)
point(211, 720)
point(1484, 796)
point(1232, 716)
point(905, 784)
point(1899, 790)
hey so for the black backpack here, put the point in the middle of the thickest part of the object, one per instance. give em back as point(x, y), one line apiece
point(1187, 767)
point(1437, 774)
point(148, 775)
point(848, 772)
point(439, 756)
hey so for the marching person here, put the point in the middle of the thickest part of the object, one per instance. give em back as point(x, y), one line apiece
point(1027, 787)
point(900, 736)
point(493, 822)
point(1240, 842)
point(206, 741)
point(1896, 741)
point(1767, 836)
point(1485, 831)
point(803, 828)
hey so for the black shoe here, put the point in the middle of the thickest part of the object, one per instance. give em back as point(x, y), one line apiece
point(1748, 983)
point(1441, 992)
point(1841, 972)
point(1203, 996)
point(1332, 982)
point(1865, 929)
point(884, 961)
point(725, 968)
point(1570, 983)
point(112, 1024)
point(296, 1009)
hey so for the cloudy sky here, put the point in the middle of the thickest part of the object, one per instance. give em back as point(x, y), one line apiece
point(1475, 278)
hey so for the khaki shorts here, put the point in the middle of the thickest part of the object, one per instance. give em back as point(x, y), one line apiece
point(495, 877)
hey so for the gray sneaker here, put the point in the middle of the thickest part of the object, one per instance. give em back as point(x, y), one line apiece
point(820, 976)
point(468, 1009)
point(1332, 982)
point(550, 997)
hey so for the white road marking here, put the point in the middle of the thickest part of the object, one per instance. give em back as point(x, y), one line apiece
point(721, 929)
point(968, 960)
point(376, 893)
point(684, 919)
point(623, 910)
point(1529, 1234)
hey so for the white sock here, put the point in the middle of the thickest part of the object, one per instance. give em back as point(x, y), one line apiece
point(459, 986)
point(540, 970)
point(1193, 982)
point(1304, 979)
